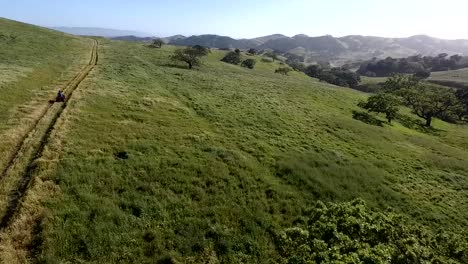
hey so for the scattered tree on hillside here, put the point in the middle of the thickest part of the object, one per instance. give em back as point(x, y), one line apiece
point(271, 55)
point(191, 56)
point(297, 66)
point(202, 51)
point(290, 57)
point(232, 58)
point(426, 101)
point(248, 63)
point(346, 77)
point(351, 232)
point(385, 103)
point(422, 74)
point(283, 70)
point(411, 65)
point(462, 95)
point(337, 76)
point(252, 51)
point(313, 71)
point(156, 43)
point(237, 51)
point(398, 82)
point(295, 61)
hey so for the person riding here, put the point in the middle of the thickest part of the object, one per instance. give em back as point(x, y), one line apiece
point(60, 96)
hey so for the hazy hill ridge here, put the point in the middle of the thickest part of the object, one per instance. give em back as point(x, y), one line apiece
point(338, 50)
point(328, 48)
point(101, 32)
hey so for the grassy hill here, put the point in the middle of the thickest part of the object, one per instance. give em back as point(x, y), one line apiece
point(34, 63)
point(456, 78)
point(213, 160)
point(205, 166)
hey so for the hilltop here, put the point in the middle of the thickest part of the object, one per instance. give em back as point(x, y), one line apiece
point(153, 162)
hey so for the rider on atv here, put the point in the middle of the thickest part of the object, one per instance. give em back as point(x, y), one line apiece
point(60, 97)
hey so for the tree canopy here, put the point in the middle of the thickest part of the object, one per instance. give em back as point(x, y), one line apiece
point(385, 103)
point(232, 58)
point(427, 101)
point(156, 43)
point(337, 76)
point(248, 63)
point(462, 95)
point(189, 55)
point(412, 65)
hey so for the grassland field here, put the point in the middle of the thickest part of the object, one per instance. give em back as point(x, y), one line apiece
point(204, 165)
point(455, 78)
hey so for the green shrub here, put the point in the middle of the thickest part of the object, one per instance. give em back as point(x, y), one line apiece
point(352, 233)
point(249, 63)
point(232, 58)
point(283, 70)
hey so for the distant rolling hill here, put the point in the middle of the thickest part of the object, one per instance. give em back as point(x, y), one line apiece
point(133, 38)
point(101, 32)
point(337, 50)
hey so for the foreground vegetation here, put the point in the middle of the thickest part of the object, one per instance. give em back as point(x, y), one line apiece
point(160, 163)
point(352, 233)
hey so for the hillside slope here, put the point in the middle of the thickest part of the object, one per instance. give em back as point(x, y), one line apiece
point(152, 162)
point(34, 63)
point(455, 78)
point(206, 164)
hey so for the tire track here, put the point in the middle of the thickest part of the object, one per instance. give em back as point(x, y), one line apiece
point(27, 169)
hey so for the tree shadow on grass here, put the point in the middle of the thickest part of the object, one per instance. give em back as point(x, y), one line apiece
point(417, 124)
point(367, 118)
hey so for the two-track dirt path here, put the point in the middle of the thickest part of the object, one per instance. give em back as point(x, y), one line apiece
point(15, 178)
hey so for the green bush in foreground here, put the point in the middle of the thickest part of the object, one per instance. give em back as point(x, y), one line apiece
point(352, 233)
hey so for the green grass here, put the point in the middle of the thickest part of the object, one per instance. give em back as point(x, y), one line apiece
point(371, 84)
point(33, 65)
point(160, 162)
point(206, 164)
point(455, 78)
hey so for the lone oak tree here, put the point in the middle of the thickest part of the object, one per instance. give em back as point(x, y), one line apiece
point(190, 55)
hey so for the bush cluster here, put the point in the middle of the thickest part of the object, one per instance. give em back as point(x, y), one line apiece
point(352, 233)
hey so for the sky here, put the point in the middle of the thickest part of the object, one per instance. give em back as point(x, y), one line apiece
point(251, 18)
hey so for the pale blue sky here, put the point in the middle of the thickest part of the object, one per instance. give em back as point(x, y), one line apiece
point(251, 18)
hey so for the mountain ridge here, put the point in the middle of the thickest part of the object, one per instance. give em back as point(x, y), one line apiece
point(336, 50)
point(339, 50)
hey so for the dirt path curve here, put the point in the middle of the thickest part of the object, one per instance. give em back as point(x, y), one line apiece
point(21, 167)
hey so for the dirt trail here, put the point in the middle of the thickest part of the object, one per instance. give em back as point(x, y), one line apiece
point(22, 164)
